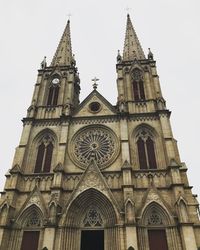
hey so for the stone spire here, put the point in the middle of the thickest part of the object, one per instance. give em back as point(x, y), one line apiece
point(63, 55)
point(132, 47)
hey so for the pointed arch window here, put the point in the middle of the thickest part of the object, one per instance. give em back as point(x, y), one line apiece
point(52, 99)
point(44, 155)
point(146, 150)
point(138, 85)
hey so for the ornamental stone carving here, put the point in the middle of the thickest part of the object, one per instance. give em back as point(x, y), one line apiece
point(93, 218)
point(97, 143)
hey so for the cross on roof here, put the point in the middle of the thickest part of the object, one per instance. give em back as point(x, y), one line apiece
point(95, 82)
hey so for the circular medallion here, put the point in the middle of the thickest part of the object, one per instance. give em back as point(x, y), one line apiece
point(98, 143)
point(95, 107)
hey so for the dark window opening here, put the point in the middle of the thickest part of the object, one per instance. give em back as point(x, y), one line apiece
point(146, 152)
point(138, 86)
point(44, 157)
point(53, 95)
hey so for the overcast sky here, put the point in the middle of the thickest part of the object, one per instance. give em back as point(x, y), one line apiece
point(31, 30)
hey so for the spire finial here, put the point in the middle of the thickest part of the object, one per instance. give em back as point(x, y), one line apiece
point(132, 47)
point(150, 55)
point(63, 55)
point(44, 63)
point(119, 58)
point(95, 85)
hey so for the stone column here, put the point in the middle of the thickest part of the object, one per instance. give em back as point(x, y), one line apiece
point(188, 237)
point(131, 237)
point(49, 234)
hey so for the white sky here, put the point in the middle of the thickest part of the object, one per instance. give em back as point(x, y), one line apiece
point(32, 29)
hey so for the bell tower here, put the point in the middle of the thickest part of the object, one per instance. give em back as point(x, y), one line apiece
point(58, 85)
point(92, 175)
point(138, 82)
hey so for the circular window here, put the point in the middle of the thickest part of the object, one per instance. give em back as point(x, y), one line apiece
point(95, 107)
point(98, 143)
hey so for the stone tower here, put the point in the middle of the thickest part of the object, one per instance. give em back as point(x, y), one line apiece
point(93, 175)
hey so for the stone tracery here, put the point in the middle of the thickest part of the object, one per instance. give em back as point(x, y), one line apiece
point(93, 218)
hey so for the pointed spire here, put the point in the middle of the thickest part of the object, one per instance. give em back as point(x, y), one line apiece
point(132, 47)
point(63, 55)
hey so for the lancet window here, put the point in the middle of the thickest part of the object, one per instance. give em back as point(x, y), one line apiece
point(138, 85)
point(52, 99)
point(44, 155)
point(146, 150)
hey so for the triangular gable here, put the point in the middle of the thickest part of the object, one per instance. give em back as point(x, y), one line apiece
point(35, 198)
point(84, 109)
point(152, 195)
point(92, 178)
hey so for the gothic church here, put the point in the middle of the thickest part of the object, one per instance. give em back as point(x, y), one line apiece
point(97, 176)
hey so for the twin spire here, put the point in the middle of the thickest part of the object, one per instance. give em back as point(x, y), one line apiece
point(132, 47)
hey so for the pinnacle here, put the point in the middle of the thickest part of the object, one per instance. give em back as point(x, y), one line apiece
point(132, 47)
point(63, 55)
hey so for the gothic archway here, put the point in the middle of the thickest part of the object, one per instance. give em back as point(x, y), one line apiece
point(91, 210)
point(27, 227)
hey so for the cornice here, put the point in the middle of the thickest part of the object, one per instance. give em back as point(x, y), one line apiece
point(150, 116)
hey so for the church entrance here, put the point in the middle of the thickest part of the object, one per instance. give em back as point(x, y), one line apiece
point(92, 240)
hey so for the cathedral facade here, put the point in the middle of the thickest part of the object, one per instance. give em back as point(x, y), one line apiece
point(97, 176)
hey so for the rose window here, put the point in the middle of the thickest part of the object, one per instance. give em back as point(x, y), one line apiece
point(99, 144)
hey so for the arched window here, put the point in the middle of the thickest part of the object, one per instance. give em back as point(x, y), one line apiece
point(138, 85)
point(44, 155)
point(146, 150)
point(53, 92)
point(53, 95)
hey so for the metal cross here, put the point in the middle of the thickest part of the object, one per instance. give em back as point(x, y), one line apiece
point(95, 80)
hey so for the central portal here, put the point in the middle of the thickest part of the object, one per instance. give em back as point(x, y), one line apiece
point(92, 240)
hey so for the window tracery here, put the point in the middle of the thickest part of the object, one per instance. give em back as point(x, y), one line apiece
point(44, 155)
point(155, 218)
point(138, 85)
point(93, 218)
point(33, 220)
point(146, 149)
